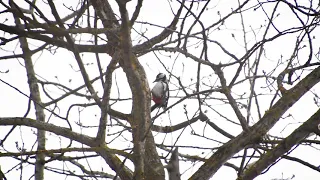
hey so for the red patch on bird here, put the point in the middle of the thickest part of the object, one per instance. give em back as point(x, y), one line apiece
point(157, 100)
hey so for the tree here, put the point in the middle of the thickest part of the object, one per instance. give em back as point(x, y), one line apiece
point(240, 76)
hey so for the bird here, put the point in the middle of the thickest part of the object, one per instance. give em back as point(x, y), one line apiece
point(160, 92)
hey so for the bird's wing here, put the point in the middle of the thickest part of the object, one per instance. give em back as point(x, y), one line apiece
point(166, 94)
point(158, 89)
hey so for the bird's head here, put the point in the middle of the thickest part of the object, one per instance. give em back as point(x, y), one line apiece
point(161, 77)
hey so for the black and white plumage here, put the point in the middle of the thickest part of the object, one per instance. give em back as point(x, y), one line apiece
point(160, 92)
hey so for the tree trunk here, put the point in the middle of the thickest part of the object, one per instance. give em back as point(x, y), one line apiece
point(35, 97)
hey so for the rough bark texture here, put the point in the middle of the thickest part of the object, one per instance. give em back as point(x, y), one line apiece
point(140, 106)
point(146, 159)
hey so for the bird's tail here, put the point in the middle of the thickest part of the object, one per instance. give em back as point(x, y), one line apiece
point(154, 107)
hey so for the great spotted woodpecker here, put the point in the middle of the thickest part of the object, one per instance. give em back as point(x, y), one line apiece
point(160, 92)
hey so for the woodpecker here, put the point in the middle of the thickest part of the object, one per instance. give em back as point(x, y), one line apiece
point(160, 92)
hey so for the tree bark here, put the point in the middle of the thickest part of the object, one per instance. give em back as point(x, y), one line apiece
point(173, 166)
point(146, 160)
point(35, 97)
point(271, 156)
point(271, 117)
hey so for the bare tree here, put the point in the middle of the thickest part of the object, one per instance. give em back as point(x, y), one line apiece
point(238, 74)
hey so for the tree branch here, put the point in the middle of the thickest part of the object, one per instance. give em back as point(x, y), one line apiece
point(163, 35)
point(284, 146)
point(112, 160)
point(255, 132)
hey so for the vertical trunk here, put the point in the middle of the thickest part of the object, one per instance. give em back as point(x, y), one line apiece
point(153, 166)
point(146, 160)
point(139, 88)
point(173, 166)
point(35, 97)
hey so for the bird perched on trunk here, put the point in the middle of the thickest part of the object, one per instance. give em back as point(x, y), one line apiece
point(160, 92)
